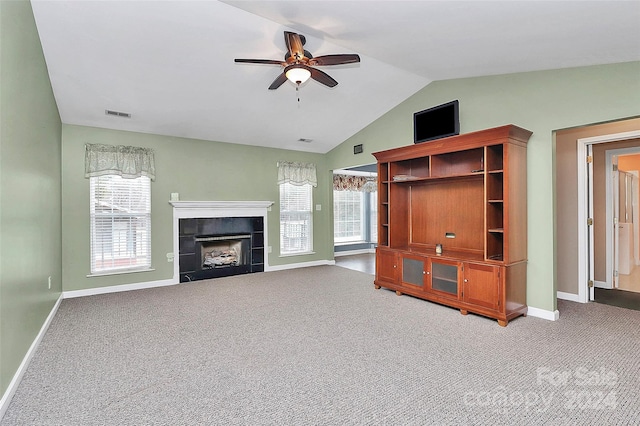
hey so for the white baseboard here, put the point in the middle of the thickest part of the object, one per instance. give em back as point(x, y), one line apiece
point(117, 288)
point(300, 265)
point(543, 313)
point(568, 296)
point(351, 252)
point(17, 377)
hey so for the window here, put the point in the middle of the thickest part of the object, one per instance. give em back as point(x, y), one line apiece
point(373, 217)
point(295, 219)
point(120, 223)
point(355, 215)
point(348, 216)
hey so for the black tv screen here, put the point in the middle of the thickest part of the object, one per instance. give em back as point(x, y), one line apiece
point(436, 122)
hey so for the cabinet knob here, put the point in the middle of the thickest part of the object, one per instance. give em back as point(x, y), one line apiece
point(428, 272)
point(466, 280)
point(395, 266)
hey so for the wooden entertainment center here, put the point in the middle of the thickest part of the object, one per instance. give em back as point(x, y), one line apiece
point(452, 221)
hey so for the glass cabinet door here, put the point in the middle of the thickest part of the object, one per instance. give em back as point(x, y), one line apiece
point(444, 277)
point(413, 271)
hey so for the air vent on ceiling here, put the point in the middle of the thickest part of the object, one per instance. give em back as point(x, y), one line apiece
point(305, 140)
point(117, 113)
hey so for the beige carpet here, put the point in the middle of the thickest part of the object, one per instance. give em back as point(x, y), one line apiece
point(320, 346)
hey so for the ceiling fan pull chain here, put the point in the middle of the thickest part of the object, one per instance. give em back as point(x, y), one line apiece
point(298, 93)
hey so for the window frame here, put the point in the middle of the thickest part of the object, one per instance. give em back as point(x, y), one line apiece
point(307, 250)
point(138, 259)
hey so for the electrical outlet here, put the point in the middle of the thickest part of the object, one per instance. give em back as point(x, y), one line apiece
point(318, 207)
point(269, 249)
point(49, 282)
point(169, 257)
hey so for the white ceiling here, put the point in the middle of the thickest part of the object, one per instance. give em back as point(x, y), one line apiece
point(170, 63)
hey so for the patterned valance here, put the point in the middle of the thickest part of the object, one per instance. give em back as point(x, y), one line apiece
point(129, 162)
point(355, 183)
point(297, 173)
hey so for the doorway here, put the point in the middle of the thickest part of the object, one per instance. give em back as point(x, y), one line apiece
point(355, 214)
point(623, 236)
point(606, 200)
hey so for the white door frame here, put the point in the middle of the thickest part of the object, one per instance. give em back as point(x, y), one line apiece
point(583, 196)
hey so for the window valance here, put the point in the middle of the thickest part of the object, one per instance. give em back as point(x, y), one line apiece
point(355, 183)
point(129, 162)
point(297, 173)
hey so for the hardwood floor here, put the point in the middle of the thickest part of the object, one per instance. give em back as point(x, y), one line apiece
point(630, 282)
point(359, 262)
point(620, 298)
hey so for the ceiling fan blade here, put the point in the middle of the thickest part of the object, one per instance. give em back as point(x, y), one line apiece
point(348, 58)
point(260, 61)
point(294, 44)
point(278, 81)
point(321, 77)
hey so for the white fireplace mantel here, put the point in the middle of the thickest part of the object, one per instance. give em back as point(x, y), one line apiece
point(188, 209)
point(208, 209)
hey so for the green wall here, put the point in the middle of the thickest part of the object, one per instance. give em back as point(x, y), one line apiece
point(30, 154)
point(199, 171)
point(542, 102)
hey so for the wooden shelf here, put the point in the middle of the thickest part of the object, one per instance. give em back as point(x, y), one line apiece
point(436, 178)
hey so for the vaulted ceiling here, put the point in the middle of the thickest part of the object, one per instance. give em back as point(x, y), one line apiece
point(170, 64)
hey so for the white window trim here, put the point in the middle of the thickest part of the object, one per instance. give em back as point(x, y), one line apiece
point(124, 269)
point(311, 229)
point(119, 272)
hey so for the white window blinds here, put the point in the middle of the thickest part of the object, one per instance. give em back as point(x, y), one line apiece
point(120, 223)
point(295, 219)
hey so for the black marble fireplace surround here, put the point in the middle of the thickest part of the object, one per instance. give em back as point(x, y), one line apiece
point(220, 247)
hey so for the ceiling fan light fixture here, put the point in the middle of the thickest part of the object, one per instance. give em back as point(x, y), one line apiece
point(297, 74)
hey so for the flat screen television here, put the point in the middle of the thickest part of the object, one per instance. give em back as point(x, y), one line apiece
point(436, 122)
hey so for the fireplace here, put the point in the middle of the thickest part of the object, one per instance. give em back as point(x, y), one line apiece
point(220, 246)
point(224, 251)
point(218, 239)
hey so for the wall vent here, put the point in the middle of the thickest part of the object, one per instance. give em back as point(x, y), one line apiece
point(305, 140)
point(117, 113)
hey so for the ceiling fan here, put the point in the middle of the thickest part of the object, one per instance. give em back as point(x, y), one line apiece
point(298, 63)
